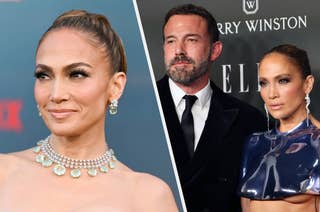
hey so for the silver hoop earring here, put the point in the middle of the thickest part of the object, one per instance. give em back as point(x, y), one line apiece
point(113, 107)
point(308, 101)
point(267, 115)
point(39, 113)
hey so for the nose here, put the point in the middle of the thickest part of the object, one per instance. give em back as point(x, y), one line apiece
point(180, 48)
point(59, 91)
point(273, 92)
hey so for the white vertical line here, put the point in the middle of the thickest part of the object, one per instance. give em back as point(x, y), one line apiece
point(159, 105)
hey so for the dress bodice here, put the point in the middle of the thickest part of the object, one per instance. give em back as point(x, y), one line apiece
point(276, 165)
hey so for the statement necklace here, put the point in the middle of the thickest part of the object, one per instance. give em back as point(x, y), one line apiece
point(47, 157)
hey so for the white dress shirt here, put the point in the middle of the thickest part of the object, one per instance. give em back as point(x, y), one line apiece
point(200, 108)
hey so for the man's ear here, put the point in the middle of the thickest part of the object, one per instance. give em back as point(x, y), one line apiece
point(216, 50)
point(117, 85)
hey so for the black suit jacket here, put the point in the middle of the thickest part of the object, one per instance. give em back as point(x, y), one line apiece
point(209, 179)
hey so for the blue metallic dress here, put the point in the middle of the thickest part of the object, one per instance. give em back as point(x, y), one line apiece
point(276, 165)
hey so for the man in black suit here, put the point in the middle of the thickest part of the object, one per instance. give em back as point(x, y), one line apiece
point(207, 141)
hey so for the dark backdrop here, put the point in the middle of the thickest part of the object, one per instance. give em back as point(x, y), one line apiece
point(292, 21)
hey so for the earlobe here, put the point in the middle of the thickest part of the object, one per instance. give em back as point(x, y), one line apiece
point(216, 50)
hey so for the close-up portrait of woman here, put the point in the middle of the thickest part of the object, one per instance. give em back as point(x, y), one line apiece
point(80, 75)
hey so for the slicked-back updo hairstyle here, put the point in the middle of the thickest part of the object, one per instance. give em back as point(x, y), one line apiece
point(99, 31)
point(297, 56)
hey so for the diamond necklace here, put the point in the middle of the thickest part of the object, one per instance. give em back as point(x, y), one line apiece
point(47, 157)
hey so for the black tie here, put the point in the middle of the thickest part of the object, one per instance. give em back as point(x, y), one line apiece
point(187, 123)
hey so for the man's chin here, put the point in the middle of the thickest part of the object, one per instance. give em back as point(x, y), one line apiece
point(182, 81)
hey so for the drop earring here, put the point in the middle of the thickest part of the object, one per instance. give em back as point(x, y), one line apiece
point(113, 107)
point(308, 100)
point(39, 113)
point(267, 115)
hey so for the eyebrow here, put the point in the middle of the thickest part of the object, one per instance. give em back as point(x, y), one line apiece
point(187, 35)
point(74, 65)
point(192, 35)
point(282, 75)
point(276, 77)
point(70, 66)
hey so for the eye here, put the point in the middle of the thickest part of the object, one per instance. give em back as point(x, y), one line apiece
point(41, 75)
point(284, 81)
point(263, 83)
point(170, 41)
point(77, 74)
point(192, 40)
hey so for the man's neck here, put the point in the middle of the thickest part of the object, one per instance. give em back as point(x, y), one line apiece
point(195, 86)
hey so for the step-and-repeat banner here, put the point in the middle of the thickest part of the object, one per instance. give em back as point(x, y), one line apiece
point(248, 28)
point(135, 133)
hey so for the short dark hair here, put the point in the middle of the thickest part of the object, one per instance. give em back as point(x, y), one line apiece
point(190, 9)
point(298, 56)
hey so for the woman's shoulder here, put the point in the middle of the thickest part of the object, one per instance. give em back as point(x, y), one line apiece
point(254, 144)
point(256, 135)
point(11, 162)
point(6, 160)
point(151, 192)
point(156, 193)
point(254, 138)
point(144, 181)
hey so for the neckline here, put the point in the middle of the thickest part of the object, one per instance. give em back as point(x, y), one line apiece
point(302, 125)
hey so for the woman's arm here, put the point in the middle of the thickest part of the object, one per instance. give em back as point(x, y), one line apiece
point(245, 204)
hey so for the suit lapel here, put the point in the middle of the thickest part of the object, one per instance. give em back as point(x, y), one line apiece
point(179, 147)
point(217, 125)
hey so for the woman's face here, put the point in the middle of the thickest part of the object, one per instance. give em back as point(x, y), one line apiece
point(73, 83)
point(283, 88)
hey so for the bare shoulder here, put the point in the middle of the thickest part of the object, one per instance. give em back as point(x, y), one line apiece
point(156, 194)
point(149, 182)
point(8, 163)
point(25, 155)
point(143, 181)
point(11, 162)
point(148, 193)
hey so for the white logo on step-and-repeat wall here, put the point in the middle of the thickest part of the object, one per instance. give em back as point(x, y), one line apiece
point(250, 7)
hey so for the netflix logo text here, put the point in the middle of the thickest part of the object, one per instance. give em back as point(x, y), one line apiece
point(10, 115)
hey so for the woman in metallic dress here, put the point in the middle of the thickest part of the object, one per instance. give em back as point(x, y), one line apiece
point(280, 168)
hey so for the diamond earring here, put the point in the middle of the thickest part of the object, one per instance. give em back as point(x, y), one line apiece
point(308, 100)
point(113, 107)
point(267, 115)
point(39, 113)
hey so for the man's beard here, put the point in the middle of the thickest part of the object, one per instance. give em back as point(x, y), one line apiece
point(182, 75)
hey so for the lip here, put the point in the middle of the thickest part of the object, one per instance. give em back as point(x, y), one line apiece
point(275, 106)
point(181, 63)
point(61, 113)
